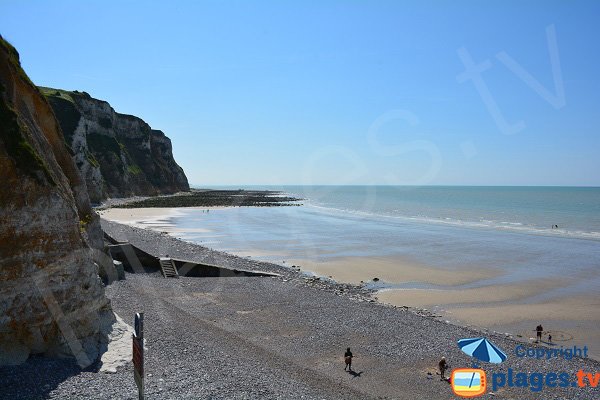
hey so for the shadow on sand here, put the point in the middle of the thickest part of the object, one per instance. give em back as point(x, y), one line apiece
point(355, 374)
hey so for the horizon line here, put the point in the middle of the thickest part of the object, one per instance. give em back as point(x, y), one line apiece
point(197, 186)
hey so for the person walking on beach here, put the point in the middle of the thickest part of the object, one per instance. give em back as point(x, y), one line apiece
point(539, 329)
point(443, 366)
point(348, 359)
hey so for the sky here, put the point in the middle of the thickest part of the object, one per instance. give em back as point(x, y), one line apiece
point(337, 92)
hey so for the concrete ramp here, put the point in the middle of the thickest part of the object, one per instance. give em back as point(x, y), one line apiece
point(137, 260)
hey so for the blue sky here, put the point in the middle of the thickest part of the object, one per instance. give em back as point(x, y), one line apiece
point(337, 92)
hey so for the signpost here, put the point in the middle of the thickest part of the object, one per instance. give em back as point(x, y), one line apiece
point(138, 353)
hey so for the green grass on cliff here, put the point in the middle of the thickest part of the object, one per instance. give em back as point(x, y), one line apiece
point(101, 144)
point(18, 148)
point(66, 112)
point(134, 169)
point(13, 133)
point(91, 159)
point(14, 60)
point(63, 94)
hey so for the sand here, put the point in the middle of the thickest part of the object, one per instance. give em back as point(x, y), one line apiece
point(473, 297)
point(391, 270)
point(158, 219)
point(140, 217)
point(508, 308)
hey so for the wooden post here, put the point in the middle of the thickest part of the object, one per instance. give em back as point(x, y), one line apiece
point(138, 354)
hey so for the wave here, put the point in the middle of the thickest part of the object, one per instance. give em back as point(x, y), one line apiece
point(510, 226)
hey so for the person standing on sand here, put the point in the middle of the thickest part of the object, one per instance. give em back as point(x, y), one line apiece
point(443, 366)
point(348, 359)
point(539, 329)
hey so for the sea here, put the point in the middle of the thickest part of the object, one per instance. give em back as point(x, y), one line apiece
point(527, 232)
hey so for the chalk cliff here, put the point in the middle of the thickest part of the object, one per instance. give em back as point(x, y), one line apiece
point(118, 155)
point(51, 298)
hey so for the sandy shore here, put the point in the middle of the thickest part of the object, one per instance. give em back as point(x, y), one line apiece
point(391, 270)
point(505, 308)
point(140, 217)
point(509, 308)
point(472, 297)
point(155, 218)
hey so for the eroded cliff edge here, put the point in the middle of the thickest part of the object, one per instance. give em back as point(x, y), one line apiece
point(118, 155)
point(51, 298)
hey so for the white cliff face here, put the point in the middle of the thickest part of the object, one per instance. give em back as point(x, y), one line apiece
point(83, 158)
point(119, 155)
point(51, 298)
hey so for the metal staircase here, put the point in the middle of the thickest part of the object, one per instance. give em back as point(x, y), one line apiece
point(168, 268)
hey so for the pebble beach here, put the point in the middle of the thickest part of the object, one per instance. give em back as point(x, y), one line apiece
point(275, 338)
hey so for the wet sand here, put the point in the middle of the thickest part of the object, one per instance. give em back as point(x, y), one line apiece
point(391, 270)
point(472, 297)
point(155, 218)
point(509, 308)
point(574, 320)
point(138, 216)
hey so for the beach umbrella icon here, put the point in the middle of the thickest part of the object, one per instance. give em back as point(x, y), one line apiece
point(482, 349)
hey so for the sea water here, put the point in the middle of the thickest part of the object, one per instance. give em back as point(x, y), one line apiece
point(509, 229)
point(558, 211)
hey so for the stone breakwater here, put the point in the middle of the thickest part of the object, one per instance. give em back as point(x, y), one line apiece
point(214, 198)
